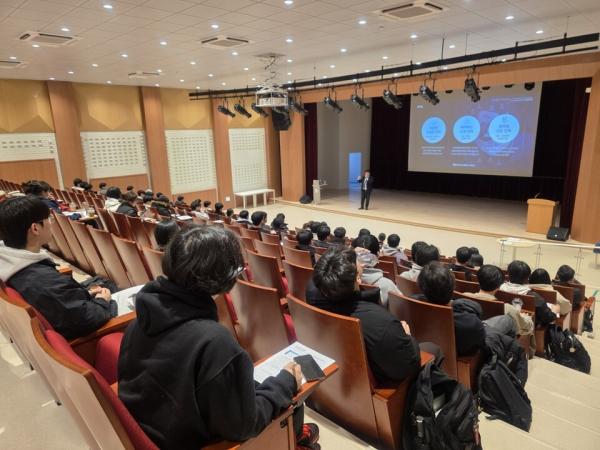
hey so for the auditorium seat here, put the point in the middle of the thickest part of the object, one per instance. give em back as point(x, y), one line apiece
point(154, 260)
point(577, 314)
point(466, 286)
point(111, 259)
point(261, 325)
point(81, 230)
point(266, 249)
point(319, 250)
point(458, 275)
point(132, 260)
point(407, 287)
point(270, 238)
point(226, 314)
point(108, 223)
point(62, 243)
point(507, 297)
point(435, 323)
point(265, 272)
point(289, 243)
point(81, 260)
point(298, 278)
point(150, 227)
point(350, 398)
point(138, 232)
point(489, 308)
point(53, 246)
point(233, 227)
point(248, 243)
point(252, 234)
point(297, 257)
point(388, 267)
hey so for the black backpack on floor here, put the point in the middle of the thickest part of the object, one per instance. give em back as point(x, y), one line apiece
point(502, 396)
point(562, 347)
point(453, 426)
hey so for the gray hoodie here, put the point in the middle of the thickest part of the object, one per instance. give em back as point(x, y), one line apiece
point(396, 252)
point(12, 260)
point(375, 277)
point(112, 204)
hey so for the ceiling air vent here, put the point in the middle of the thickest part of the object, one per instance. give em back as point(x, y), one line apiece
point(223, 42)
point(411, 11)
point(140, 75)
point(47, 39)
point(4, 64)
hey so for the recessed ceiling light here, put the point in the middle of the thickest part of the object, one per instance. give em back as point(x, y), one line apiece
point(362, 22)
point(253, 79)
point(289, 40)
point(290, 60)
point(159, 70)
point(163, 43)
point(418, 63)
point(36, 45)
point(509, 17)
point(289, 82)
point(343, 50)
point(223, 84)
point(246, 69)
point(290, 88)
point(109, 82)
point(12, 57)
point(332, 66)
point(193, 63)
point(289, 2)
point(452, 46)
point(214, 26)
point(289, 73)
point(157, 85)
point(70, 72)
point(94, 65)
point(539, 32)
point(367, 70)
point(354, 80)
point(445, 67)
point(182, 80)
point(319, 84)
point(65, 29)
point(107, 6)
point(197, 87)
point(413, 36)
point(234, 53)
point(52, 78)
point(324, 76)
point(384, 57)
point(395, 74)
point(503, 59)
point(124, 55)
point(210, 75)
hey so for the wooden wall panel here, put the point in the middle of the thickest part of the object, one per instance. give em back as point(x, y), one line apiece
point(273, 157)
point(182, 114)
point(292, 160)
point(20, 171)
point(66, 124)
point(108, 108)
point(138, 181)
point(25, 107)
point(222, 157)
point(586, 216)
point(209, 194)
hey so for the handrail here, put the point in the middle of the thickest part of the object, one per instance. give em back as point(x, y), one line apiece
point(509, 240)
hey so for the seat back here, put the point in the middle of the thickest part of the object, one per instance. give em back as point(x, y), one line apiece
point(108, 222)
point(266, 249)
point(89, 248)
point(566, 291)
point(270, 238)
point(298, 278)
point(138, 232)
point(248, 243)
point(62, 243)
point(465, 286)
point(407, 287)
point(252, 234)
point(64, 224)
point(150, 227)
point(489, 308)
point(287, 242)
point(458, 275)
point(110, 258)
point(123, 225)
point(226, 313)
point(549, 296)
point(388, 267)
point(265, 272)
point(346, 398)
point(297, 257)
point(428, 323)
point(507, 297)
point(133, 261)
point(233, 227)
point(53, 246)
point(154, 261)
point(261, 328)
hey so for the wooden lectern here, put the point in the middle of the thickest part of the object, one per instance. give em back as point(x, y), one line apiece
point(540, 215)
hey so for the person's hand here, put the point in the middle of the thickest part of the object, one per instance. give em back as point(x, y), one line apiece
point(296, 371)
point(406, 327)
point(104, 294)
point(556, 309)
point(94, 290)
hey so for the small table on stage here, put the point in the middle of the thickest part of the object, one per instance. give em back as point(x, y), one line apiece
point(254, 193)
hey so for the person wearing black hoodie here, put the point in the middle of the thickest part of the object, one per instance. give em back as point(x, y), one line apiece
point(181, 374)
point(392, 352)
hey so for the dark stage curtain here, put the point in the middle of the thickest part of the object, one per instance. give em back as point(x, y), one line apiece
point(311, 149)
point(561, 124)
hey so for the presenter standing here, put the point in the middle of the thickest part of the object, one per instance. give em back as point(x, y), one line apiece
point(366, 186)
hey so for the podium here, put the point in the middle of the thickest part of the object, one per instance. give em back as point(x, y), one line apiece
point(317, 185)
point(540, 215)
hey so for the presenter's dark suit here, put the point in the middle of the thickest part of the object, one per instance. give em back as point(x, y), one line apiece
point(365, 191)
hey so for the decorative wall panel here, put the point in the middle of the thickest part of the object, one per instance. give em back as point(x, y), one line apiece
point(248, 158)
point(112, 154)
point(191, 160)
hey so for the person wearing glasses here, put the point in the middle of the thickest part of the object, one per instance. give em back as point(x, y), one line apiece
point(182, 375)
point(26, 267)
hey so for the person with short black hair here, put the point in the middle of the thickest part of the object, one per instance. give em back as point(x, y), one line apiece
point(219, 209)
point(165, 231)
point(162, 205)
point(367, 249)
point(278, 225)
point(180, 201)
point(565, 276)
point(314, 227)
point(393, 354)
point(129, 188)
point(392, 248)
point(229, 213)
point(366, 187)
point(211, 395)
point(304, 239)
point(113, 199)
point(197, 210)
point(206, 205)
point(41, 189)
point(323, 237)
point(72, 310)
point(126, 207)
point(422, 255)
point(259, 221)
point(381, 238)
point(339, 236)
point(76, 184)
point(540, 279)
point(363, 232)
point(476, 260)
point(102, 188)
point(462, 262)
point(243, 217)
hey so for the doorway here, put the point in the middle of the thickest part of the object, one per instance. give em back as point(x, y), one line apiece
point(354, 170)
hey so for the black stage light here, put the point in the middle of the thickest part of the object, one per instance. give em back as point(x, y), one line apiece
point(297, 107)
point(449, 91)
point(258, 110)
point(243, 111)
point(508, 86)
point(359, 102)
point(471, 90)
point(223, 110)
point(485, 88)
point(529, 86)
point(392, 99)
point(332, 104)
point(429, 95)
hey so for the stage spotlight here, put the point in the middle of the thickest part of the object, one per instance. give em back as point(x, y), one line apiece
point(508, 86)
point(332, 104)
point(485, 88)
point(243, 111)
point(258, 110)
point(529, 86)
point(392, 99)
point(223, 110)
point(359, 102)
point(448, 91)
point(428, 95)
point(471, 90)
point(297, 107)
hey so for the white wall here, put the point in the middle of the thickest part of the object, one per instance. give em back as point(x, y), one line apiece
point(339, 135)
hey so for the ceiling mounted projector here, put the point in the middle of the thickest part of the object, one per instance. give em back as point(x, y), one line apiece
point(271, 97)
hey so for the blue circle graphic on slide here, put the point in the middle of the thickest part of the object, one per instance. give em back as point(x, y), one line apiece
point(504, 128)
point(433, 130)
point(466, 129)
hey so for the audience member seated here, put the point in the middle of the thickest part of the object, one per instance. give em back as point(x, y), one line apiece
point(147, 199)
point(381, 239)
point(243, 217)
point(180, 201)
point(392, 352)
point(206, 205)
point(127, 204)
point(462, 262)
point(422, 254)
point(476, 260)
point(367, 249)
point(473, 251)
point(490, 279)
point(182, 375)
point(540, 279)
point(162, 205)
point(323, 236)
point(339, 236)
point(113, 199)
point(437, 284)
point(518, 275)
point(304, 239)
point(219, 209)
point(259, 222)
point(196, 207)
point(129, 188)
point(392, 248)
point(77, 184)
point(229, 213)
point(164, 232)
point(566, 276)
point(314, 227)
point(41, 189)
point(363, 232)
point(72, 310)
point(85, 186)
point(279, 226)
point(102, 188)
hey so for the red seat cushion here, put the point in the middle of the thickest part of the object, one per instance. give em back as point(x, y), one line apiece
point(284, 281)
point(107, 356)
point(289, 327)
point(230, 307)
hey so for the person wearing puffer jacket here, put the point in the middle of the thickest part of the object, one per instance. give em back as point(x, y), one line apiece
point(113, 199)
point(367, 248)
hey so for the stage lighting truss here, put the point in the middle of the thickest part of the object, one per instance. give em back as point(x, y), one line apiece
point(471, 89)
point(240, 108)
point(391, 98)
point(429, 95)
point(332, 104)
point(223, 109)
point(258, 110)
point(359, 101)
point(271, 95)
